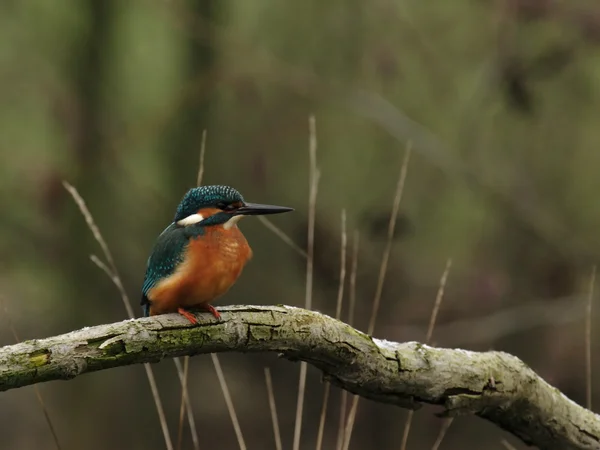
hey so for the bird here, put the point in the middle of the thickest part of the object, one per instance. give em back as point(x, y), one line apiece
point(201, 254)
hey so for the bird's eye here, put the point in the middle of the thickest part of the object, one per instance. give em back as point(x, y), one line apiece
point(226, 206)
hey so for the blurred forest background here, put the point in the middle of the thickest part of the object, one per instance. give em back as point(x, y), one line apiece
point(500, 100)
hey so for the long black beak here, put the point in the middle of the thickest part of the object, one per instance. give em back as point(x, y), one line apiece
point(256, 209)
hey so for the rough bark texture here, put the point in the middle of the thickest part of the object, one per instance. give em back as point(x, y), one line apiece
point(493, 385)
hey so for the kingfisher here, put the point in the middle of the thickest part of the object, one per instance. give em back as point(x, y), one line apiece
point(201, 254)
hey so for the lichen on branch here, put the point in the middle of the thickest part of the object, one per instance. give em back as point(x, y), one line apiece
point(493, 385)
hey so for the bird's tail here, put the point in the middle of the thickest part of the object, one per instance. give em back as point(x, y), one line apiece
point(145, 307)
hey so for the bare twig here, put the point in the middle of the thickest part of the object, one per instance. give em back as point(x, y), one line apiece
point(323, 416)
point(116, 281)
point(188, 406)
point(438, 301)
point(201, 163)
point(281, 234)
point(312, 202)
point(214, 356)
point(430, 328)
point(588, 340)
point(507, 445)
point(186, 365)
point(380, 281)
point(351, 307)
point(343, 245)
point(442, 433)
point(111, 271)
point(229, 402)
point(405, 433)
point(312, 209)
point(159, 407)
point(342, 422)
point(350, 422)
point(338, 313)
point(89, 219)
point(36, 389)
point(353, 272)
point(390, 238)
point(527, 315)
point(273, 409)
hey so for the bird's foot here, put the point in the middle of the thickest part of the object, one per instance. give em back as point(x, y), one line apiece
point(188, 315)
point(211, 309)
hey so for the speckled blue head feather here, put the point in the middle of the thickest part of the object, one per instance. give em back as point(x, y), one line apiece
point(205, 196)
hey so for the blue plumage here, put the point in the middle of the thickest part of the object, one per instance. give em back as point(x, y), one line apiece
point(167, 254)
point(170, 247)
point(224, 203)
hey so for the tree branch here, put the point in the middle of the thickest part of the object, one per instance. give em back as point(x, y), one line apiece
point(493, 385)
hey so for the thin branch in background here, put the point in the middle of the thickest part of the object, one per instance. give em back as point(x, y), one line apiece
point(186, 365)
point(148, 369)
point(116, 281)
point(442, 433)
point(313, 182)
point(89, 219)
point(323, 416)
point(183, 377)
point(153, 387)
point(527, 315)
point(588, 340)
point(343, 245)
point(438, 301)
point(273, 409)
point(112, 273)
point(406, 432)
point(112, 268)
point(229, 402)
point(214, 356)
point(351, 306)
point(159, 407)
point(350, 422)
point(201, 164)
point(390, 239)
point(508, 445)
point(312, 208)
point(382, 273)
point(434, 312)
point(338, 313)
point(281, 234)
point(36, 389)
point(353, 272)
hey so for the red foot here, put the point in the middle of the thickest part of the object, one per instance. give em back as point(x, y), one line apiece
point(211, 309)
point(188, 315)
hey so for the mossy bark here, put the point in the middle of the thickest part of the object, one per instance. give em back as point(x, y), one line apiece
point(493, 385)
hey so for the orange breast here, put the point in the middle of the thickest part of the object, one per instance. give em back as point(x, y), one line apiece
point(212, 264)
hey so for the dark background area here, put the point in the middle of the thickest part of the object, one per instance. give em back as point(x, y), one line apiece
point(500, 100)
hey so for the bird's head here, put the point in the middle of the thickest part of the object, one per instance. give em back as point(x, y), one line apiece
point(218, 205)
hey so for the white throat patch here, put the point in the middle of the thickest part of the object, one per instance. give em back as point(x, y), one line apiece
point(190, 220)
point(231, 222)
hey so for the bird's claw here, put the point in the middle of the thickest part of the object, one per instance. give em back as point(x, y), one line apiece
point(188, 315)
point(211, 309)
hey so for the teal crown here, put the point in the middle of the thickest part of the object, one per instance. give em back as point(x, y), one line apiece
point(205, 197)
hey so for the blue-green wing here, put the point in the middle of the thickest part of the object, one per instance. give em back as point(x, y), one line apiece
point(168, 252)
